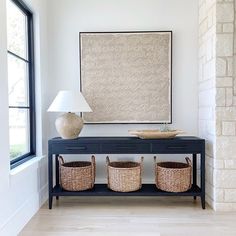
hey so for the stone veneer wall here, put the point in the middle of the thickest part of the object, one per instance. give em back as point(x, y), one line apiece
point(225, 171)
point(217, 99)
point(207, 90)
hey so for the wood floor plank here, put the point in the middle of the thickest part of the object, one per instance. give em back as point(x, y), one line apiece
point(165, 216)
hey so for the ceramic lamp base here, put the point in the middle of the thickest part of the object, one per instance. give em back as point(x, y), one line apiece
point(69, 125)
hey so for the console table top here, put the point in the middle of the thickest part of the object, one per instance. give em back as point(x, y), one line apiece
point(127, 138)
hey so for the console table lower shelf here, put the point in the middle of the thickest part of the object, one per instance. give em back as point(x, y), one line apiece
point(146, 190)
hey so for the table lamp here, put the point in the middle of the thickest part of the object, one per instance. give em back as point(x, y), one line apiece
point(69, 124)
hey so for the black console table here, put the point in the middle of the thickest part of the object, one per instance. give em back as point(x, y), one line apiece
point(126, 145)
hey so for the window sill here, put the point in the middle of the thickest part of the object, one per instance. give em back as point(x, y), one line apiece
point(21, 161)
point(18, 169)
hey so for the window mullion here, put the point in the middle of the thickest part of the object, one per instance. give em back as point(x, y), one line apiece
point(31, 84)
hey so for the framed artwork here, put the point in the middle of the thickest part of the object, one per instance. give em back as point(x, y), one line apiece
point(126, 77)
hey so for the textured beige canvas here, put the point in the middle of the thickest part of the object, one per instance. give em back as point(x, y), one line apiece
point(126, 77)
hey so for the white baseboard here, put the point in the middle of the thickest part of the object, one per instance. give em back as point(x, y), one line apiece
point(16, 222)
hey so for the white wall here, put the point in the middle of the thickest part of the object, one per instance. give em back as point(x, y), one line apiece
point(23, 189)
point(69, 17)
point(57, 67)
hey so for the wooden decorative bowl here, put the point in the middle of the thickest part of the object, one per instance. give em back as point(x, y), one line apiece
point(155, 134)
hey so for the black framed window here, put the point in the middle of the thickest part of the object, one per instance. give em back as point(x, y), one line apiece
point(21, 88)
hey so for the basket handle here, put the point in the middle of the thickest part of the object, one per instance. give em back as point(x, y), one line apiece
point(93, 167)
point(61, 160)
point(155, 162)
point(188, 161)
point(107, 160)
point(108, 177)
point(155, 159)
point(141, 163)
point(141, 171)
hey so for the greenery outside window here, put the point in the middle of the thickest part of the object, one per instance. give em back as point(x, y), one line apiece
point(21, 87)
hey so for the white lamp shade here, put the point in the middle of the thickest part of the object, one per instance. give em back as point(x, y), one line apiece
point(69, 101)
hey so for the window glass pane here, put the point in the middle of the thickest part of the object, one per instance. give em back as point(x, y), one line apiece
point(16, 30)
point(19, 132)
point(17, 81)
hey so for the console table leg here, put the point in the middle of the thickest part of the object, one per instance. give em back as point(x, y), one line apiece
point(194, 172)
point(50, 202)
point(57, 174)
point(203, 202)
point(50, 179)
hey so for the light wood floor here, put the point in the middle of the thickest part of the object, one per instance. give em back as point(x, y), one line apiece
point(130, 216)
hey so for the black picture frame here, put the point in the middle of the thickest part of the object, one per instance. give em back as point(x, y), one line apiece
point(171, 72)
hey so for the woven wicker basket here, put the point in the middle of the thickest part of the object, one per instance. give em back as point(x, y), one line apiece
point(173, 176)
point(77, 175)
point(124, 176)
